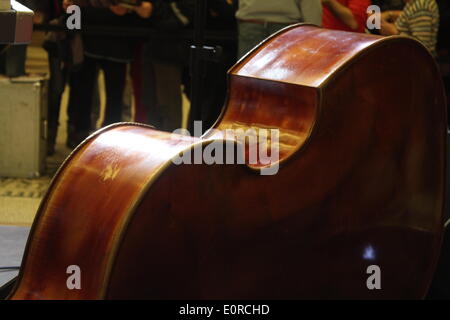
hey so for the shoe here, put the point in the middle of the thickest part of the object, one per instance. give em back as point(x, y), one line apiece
point(50, 149)
point(74, 137)
point(51, 141)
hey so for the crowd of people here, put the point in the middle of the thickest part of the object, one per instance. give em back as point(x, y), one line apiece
point(159, 65)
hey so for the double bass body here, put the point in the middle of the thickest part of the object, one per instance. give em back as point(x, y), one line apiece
point(361, 182)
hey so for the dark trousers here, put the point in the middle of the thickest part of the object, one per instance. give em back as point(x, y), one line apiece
point(161, 85)
point(162, 93)
point(137, 77)
point(82, 83)
point(56, 85)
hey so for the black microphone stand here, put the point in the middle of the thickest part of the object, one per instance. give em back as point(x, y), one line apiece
point(199, 53)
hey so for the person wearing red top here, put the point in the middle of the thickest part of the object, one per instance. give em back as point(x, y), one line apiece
point(346, 15)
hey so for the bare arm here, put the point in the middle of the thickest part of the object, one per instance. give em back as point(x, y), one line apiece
point(342, 13)
point(391, 16)
point(388, 28)
point(145, 10)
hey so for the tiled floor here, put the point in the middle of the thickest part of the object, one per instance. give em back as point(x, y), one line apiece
point(20, 198)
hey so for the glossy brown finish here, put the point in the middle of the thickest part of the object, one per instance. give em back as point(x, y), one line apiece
point(81, 218)
point(362, 136)
point(305, 56)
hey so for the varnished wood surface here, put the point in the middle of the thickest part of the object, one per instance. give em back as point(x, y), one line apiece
point(306, 56)
point(85, 210)
point(362, 127)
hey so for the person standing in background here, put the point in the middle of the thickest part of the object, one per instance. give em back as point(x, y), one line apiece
point(419, 19)
point(345, 15)
point(111, 53)
point(258, 19)
point(163, 63)
point(57, 45)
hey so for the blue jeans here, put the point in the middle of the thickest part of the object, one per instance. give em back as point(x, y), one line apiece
point(251, 34)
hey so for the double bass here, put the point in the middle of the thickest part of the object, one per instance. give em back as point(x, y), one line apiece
point(360, 183)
